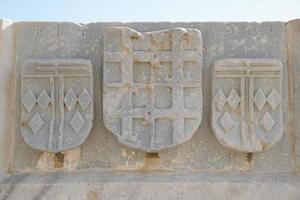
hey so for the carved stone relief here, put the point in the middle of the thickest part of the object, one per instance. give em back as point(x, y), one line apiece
point(57, 103)
point(152, 90)
point(246, 103)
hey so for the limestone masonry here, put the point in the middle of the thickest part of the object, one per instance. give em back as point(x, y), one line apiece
point(152, 86)
point(149, 110)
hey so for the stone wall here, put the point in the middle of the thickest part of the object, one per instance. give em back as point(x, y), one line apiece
point(30, 47)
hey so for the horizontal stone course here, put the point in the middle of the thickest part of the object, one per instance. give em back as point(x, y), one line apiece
point(156, 185)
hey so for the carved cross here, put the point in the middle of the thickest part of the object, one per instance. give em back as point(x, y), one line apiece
point(247, 73)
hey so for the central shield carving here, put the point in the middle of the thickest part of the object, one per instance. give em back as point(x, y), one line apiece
point(57, 103)
point(152, 90)
point(246, 103)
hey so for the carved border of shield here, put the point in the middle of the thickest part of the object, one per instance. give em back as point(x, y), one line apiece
point(41, 107)
point(260, 109)
point(114, 90)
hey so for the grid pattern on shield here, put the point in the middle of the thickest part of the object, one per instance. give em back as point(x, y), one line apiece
point(177, 112)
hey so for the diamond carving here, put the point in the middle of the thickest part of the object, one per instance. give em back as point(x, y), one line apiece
point(29, 100)
point(84, 99)
point(220, 99)
point(36, 123)
point(56, 103)
point(77, 122)
point(257, 98)
point(70, 99)
point(267, 121)
point(274, 99)
point(260, 99)
point(233, 99)
point(226, 121)
point(43, 99)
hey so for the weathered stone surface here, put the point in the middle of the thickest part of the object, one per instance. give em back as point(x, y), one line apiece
point(199, 168)
point(293, 44)
point(203, 152)
point(95, 185)
point(57, 103)
point(246, 103)
point(6, 91)
point(68, 161)
point(152, 95)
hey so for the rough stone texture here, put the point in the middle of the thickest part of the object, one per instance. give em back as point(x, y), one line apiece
point(6, 93)
point(203, 152)
point(68, 161)
point(293, 43)
point(200, 167)
point(152, 95)
point(246, 103)
point(165, 186)
point(57, 103)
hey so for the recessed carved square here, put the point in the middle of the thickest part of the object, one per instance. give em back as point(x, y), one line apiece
point(163, 97)
point(246, 103)
point(141, 72)
point(141, 98)
point(163, 125)
point(160, 88)
point(56, 103)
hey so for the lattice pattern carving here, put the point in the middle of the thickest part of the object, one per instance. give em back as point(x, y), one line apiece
point(152, 86)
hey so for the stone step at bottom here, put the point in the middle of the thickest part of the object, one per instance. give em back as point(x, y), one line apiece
point(112, 185)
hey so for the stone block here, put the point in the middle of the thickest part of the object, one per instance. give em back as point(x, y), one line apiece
point(7, 61)
point(107, 166)
point(293, 45)
point(161, 186)
point(152, 95)
point(102, 150)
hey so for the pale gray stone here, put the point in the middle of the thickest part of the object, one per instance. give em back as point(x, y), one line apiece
point(57, 103)
point(7, 69)
point(202, 152)
point(293, 44)
point(94, 185)
point(152, 95)
point(246, 103)
point(199, 168)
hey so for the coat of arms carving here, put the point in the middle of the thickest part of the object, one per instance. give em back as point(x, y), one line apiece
point(247, 103)
point(57, 103)
point(152, 86)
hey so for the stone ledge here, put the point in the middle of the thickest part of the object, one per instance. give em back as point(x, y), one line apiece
point(93, 185)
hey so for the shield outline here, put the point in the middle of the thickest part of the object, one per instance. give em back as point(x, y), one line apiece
point(259, 145)
point(130, 141)
point(83, 65)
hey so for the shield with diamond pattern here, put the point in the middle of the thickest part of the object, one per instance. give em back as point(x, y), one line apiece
point(246, 103)
point(57, 103)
